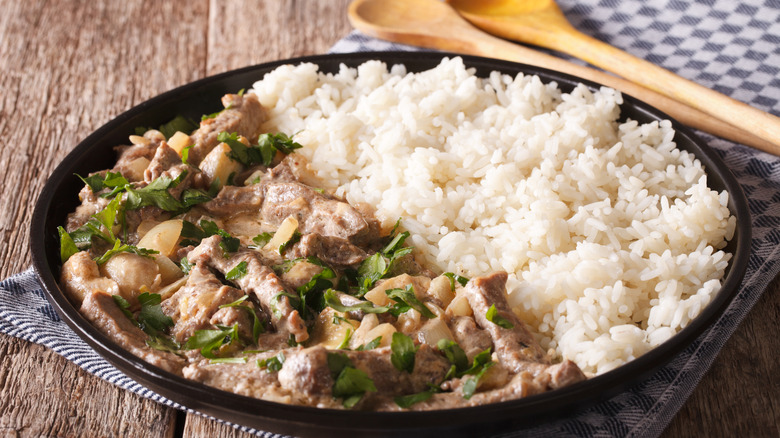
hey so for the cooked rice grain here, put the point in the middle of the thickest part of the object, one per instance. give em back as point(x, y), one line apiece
point(609, 232)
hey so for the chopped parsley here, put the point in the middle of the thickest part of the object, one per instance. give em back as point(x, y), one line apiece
point(493, 316)
point(124, 305)
point(185, 265)
point(151, 320)
point(257, 324)
point(262, 239)
point(350, 383)
point(261, 153)
point(178, 123)
point(101, 226)
point(207, 341)
point(379, 264)
point(112, 180)
point(406, 401)
point(238, 272)
point(272, 364)
point(371, 345)
point(311, 292)
point(405, 300)
point(121, 247)
point(455, 277)
point(194, 234)
point(331, 300)
point(461, 367)
point(403, 352)
point(67, 245)
point(344, 345)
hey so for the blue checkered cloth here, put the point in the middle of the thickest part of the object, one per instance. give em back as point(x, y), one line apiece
point(730, 46)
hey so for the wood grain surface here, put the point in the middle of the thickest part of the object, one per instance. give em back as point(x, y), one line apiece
point(67, 67)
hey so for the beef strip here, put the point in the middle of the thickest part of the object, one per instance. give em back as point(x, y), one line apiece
point(90, 205)
point(194, 305)
point(128, 154)
point(515, 346)
point(334, 251)
point(164, 158)
point(316, 213)
point(81, 276)
point(471, 338)
point(102, 311)
point(306, 371)
point(430, 367)
point(521, 385)
point(260, 280)
point(242, 114)
point(235, 200)
point(251, 380)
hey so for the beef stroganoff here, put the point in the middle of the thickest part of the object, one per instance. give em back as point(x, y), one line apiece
point(382, 240)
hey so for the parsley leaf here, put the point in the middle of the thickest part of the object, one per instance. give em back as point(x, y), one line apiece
point(179, 123)
point(281, 142)
point(493, 316)
point(350, 383)
point(151, 317)
point(454, 354)
point(261, 239)
point(114, 180)
point(238, 271)
point(379, 264)
point(67, 245)
point(185, 265)
point(209, 340)
point(403, 352)
point(257, 323)
point(124, 305)
point(455, 277)
point(406, 299)
point(406, 401)
point(371, 345)
point(311, 292)
point(470, 386)
point(156, 194)
point(331, 300)
point(229, 360)
point(121, 247)
point(272, 364)
point(151, 320)
point(207, 229)
point(261, 153)
point(345, 342)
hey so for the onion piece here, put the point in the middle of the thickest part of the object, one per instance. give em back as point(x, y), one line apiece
point(433, 331)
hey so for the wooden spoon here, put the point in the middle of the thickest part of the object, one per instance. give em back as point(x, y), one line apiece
point(541, 23)
point(434, 24)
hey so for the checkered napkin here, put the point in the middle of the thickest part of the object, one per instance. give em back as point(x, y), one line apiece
point(732, 47)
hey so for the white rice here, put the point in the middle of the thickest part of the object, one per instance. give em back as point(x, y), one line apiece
point(609, 232)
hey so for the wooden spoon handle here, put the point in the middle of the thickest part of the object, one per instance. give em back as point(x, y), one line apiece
point(761, 124)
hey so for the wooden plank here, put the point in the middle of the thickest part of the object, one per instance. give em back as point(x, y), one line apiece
point(45, 395)
point(68, 67)
point(242, 35)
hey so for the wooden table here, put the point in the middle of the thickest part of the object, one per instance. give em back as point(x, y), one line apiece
point(67, 67)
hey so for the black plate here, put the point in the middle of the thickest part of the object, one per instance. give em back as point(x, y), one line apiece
point(59, 197)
